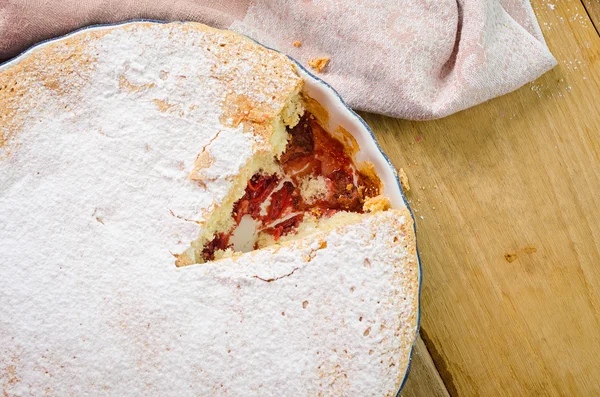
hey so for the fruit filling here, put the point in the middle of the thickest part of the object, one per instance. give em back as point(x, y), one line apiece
point(317, 179)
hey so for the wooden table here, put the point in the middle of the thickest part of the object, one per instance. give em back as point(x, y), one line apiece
point(507, 201)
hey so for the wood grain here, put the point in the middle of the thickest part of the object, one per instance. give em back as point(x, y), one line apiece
point(507, 201)
point(593, 10)
point(423, 379)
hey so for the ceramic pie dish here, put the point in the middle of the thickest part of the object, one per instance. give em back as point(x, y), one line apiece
point(187, 212)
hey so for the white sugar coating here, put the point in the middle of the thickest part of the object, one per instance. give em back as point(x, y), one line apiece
point(331, 314)
point(228, 146)
point(115, 145)
point(105, 128)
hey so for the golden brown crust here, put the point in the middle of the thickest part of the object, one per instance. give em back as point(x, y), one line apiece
point(403, 180)
point(378, 203)
point(61, 68)
point(162, 105)
point(183, 260)
point(203, 161)
point(58, 68)
point(373, 185)
point(412, 283)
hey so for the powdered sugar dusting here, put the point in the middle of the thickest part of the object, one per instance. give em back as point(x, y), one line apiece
point(148, 103)
point(97, 194)
point(238, 326)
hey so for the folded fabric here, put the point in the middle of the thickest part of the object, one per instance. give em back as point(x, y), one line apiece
point(415, 59)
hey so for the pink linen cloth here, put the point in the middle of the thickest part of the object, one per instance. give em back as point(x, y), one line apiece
point(415, 59)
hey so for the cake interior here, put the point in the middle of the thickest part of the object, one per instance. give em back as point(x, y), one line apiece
point(314, 178)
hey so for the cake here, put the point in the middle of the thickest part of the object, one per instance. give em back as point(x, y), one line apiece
point(175, 219)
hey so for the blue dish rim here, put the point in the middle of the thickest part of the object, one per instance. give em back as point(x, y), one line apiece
point(321, 81)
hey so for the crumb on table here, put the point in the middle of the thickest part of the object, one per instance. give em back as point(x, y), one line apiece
point(318, 64)
point(530, 250)
point(297, 43)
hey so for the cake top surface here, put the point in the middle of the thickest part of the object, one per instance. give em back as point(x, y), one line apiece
point(142, 125)
point(333, 313)
point(115, 144)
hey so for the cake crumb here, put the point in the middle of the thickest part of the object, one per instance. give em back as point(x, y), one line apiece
point(403, 180)
point(319, 64)
point(378, 203)
point(313, 189)
point(510, 258)
point(297, 44)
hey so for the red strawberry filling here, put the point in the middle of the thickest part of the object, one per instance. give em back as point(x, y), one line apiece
point(275, 201)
